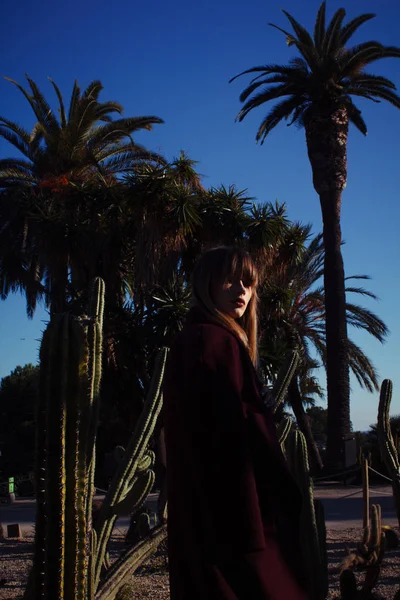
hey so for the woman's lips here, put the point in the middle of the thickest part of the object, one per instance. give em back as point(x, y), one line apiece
point(239, 302)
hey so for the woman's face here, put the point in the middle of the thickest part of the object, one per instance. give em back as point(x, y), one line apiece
point(232, 296)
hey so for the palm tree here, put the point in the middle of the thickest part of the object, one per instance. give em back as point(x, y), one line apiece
point(81, 144)
point(63, 208)
point(315, 90)
point(293, 315)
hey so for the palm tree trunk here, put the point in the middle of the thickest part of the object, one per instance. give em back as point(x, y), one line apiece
point(326, 134)
point(303, 421)
point(336, 339)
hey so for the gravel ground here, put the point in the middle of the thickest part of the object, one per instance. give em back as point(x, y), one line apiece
point(151, 580)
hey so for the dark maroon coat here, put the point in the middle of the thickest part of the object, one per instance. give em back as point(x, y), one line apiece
point(233, 507)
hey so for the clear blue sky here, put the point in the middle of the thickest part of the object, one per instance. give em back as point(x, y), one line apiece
point(174, 60)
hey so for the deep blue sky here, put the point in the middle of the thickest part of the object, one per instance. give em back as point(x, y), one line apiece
point(174, 60)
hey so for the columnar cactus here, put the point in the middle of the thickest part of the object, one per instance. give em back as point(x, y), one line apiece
point(69, 553)
point(388, 448)
point(372, 560)
point(312, 525)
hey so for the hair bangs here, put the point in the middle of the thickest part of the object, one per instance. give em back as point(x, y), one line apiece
point(238, 262)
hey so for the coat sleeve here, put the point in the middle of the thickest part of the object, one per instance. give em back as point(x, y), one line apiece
point(217, 434)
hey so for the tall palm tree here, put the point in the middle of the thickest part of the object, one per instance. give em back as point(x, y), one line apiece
point(316, 90)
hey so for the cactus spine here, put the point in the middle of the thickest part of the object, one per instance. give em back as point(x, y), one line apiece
point(312, 524)
point(69, 553)
point(388, 448)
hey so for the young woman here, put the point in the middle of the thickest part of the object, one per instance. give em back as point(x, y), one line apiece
point(233, 507)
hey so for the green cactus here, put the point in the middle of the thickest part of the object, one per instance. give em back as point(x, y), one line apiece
point(284, 378)
point(388, 448)
point(125, 476)
point(283, 429)
point(312, 523)
point(69, 553)
point(370, 551)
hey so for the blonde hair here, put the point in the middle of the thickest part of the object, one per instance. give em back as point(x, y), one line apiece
point(215, 266)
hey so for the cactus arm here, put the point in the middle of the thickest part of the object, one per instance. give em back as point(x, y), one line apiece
point(284, 378)
point(147, 462)
point(124, 567)
point(283, 428)
point(137, 495)
point(123, 479)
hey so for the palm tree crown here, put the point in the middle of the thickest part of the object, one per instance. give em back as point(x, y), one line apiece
point(83, 144)
point(326, 74)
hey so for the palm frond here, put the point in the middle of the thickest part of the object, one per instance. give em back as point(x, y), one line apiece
point(282, 110)
point(362, 368)
point(16, 135)
point(270, 94)
point(302, 34)
point(376, 92)
point(366, 277)
point(362, 318)
point(253, 86)
point(121, 128)
point(355, 117)
point(307, 51)
point(63, 116)
point(11, 163)
point(319, 29)
point(368, 78)
point(362, 292)
point(93, 90)
point(73, 104)
point(359, 56)
point(46, 116)
point(352, 26)
point(332, 34)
